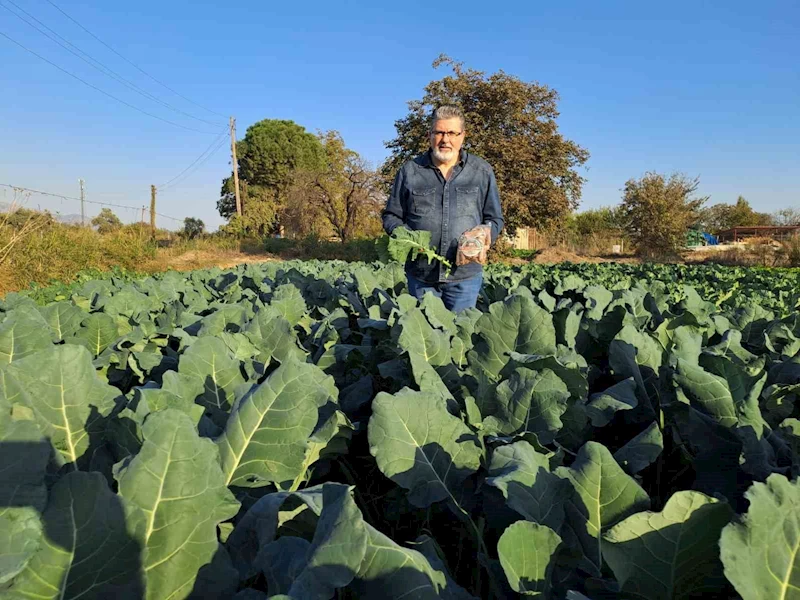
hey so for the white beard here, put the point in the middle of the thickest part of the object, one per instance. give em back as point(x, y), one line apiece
point(443, 156)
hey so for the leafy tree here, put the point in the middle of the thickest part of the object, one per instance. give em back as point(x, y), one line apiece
point(719, 217)
point(260, 216)
point(106, 221)
point(657, 212)
point(510, 123)
point(596, 221)
point(193, 227)
point(743, 215)
point(270, 156)
point(345, 192)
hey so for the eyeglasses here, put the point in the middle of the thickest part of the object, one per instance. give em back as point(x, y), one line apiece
point(441, 134)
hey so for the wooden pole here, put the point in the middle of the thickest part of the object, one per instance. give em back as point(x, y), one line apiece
point(153, 211)
point(235, 167)
point(83, 200)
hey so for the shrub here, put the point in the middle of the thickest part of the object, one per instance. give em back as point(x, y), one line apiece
point(657, 211)
point(314, 247)
point(193, 227)
point(106, 221)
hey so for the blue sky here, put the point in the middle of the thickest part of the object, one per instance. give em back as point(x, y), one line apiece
point(710, 89)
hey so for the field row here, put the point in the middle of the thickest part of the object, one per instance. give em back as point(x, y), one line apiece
point(308, 430)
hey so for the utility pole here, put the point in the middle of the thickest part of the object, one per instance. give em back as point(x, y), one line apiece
point(153, 211)
point(235, 167)
point(83, 199)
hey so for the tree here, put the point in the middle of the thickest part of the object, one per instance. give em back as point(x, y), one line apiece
point(270, 156)
point(657, 212)
point(345, 192)
point(720, 217)
point(261, 214)
point(787, 217)
point(193, 227)
point(106, 221)
point(511, 124)
point(743, 215)
point(605, 220)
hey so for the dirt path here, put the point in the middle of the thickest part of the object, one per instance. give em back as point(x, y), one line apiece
point(204, 259)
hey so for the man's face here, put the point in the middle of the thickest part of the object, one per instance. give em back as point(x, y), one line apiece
point(444, 145)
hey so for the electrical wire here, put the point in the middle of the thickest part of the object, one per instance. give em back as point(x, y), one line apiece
point(94, 87)
point(41, 193)
point(94, 63)
point(134, 65)
point(216, 144)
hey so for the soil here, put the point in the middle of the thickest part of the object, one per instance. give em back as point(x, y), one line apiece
point(226, 259)
point(204, 259)
point(549, 256)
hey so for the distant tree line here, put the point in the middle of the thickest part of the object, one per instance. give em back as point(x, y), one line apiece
point(657, 211)
point(295, 183)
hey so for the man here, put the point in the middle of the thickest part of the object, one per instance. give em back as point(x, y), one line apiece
point(446, 191)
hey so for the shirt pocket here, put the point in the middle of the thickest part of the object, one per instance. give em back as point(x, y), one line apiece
point(469, 210)
point(422, 201)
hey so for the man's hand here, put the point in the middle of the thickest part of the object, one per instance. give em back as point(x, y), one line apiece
point(473, 245)
point(481, 230)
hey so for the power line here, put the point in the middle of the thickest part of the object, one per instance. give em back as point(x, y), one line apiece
point(41, 193)
point(216, 144)
point(94, 63)
point(94, 87)
point(134, 65)
point(221, 144)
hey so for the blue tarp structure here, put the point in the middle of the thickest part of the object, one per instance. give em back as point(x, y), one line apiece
point(696, 238)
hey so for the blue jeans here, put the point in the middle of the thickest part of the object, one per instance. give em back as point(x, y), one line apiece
point(456, 295)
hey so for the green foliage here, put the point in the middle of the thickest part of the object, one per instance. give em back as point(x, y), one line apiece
point(527, 552)
point(193, 227)
point(760, 553)
point(596, 221)
point(684, 538)
point(23, 493)
point(405, 242)
point(307, 429)
point(313, 247)
point(106, 221)
point(271, 154)
point(657, 211)
point(19, 218)
point(510, 123)
point(60, 252)
point(719, 217)
point(342, 196)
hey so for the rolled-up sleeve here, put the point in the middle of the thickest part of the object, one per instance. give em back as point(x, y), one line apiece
point(393, 214)
point(492, 211)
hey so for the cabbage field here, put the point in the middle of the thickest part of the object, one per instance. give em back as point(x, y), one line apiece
point(308, 430)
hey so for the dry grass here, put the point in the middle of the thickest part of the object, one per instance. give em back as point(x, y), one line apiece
point(34, 249)
point(757, 252)
point(57, 252)
point(203, 259)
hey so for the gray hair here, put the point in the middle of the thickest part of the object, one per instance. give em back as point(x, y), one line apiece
point(447, 111)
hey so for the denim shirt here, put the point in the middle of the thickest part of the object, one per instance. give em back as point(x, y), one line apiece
point(421, 198)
